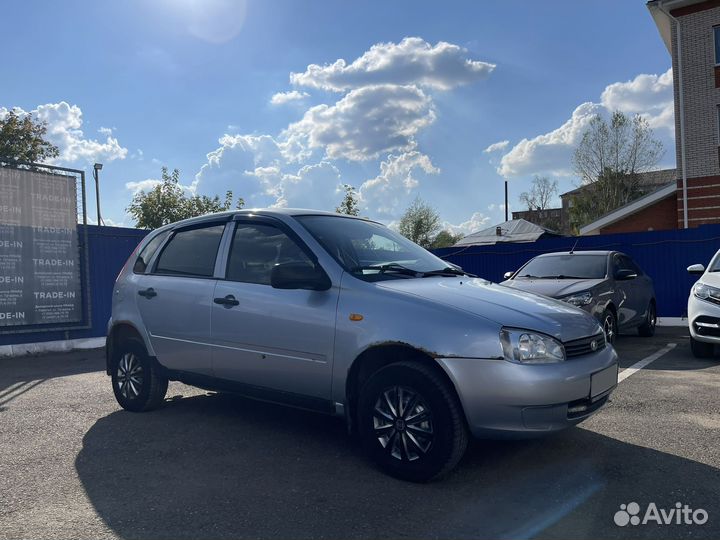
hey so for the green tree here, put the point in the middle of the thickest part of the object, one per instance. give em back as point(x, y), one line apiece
point(420, 223)
point(349, 204)
point(22, 138)
point(445, 239)
point(609, 159)
point(167, 203)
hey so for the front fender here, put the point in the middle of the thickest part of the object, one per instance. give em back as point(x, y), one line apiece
point(390, 318)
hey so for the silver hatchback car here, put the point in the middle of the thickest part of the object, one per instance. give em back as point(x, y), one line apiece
point(344, 316)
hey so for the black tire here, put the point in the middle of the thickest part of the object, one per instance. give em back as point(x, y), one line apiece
point(700, 349)
point(647, 329)
point(609, 324)
point(136, 382)
point(428, 438)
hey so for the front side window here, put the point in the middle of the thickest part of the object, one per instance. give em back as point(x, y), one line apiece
point(256, 248)
point(147, 252)
point(191, 252)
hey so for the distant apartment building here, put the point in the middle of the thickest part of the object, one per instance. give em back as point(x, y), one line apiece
point(691, 32)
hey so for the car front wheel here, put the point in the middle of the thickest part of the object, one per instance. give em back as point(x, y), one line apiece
point(411, 422)
point(609, 323)
point(700, 349)
point(136, 381)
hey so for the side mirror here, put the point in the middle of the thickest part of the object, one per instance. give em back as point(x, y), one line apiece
point(696, 269)
point(298, 275)
point(508, 275)
point(625, 274)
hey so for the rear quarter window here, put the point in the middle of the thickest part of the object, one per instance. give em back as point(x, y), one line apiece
point(147, 252)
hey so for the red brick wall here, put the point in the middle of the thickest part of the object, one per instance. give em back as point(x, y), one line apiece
point(703, 201)
point(657, 217)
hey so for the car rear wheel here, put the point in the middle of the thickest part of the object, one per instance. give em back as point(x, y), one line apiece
point(136, 381)
point(609, 324)
point(700, 349)
point(647, 329)
point(411, 422)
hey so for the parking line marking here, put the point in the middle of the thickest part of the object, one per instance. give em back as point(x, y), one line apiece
point(637, 366)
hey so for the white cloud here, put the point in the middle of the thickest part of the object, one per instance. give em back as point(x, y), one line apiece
point(496, 147)
point(281, 98)
point(64, 123)
point(477, 222)
point(551, 153)
point(392, 190)
point(313, 186)
point(412, 61)
point(143, 185)
point(365, 124)
point(648, 95)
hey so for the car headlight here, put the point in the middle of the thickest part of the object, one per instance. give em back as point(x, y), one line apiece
point(530, 347)
point(579, 299)
point(706, 292)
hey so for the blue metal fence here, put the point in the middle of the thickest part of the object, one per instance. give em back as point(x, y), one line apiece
point(108, 249)
point(664, 255)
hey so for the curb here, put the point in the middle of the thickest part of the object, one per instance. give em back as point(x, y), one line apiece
point(63, 345)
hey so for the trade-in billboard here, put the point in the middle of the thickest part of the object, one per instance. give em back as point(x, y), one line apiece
point(39, 258)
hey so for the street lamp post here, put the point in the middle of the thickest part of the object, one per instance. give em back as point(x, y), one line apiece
point(96, 174)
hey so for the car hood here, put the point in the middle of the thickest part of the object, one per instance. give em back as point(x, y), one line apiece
point(554, 288)
point(503, 305)
point(711, 278)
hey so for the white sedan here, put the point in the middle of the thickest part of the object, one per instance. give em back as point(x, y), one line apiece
point(704, 308)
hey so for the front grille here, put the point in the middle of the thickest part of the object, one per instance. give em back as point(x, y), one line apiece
point(580, 347)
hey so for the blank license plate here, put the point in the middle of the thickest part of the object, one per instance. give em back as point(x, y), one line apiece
point(604, 380)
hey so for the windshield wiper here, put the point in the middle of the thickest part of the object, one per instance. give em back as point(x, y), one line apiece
point(561, 276)
point(389, 267)
point(447, 271)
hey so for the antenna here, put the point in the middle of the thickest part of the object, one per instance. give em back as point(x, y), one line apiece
point(575, 244)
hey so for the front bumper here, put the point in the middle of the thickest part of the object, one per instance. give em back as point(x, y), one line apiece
point(704, 320)
point(505, 399)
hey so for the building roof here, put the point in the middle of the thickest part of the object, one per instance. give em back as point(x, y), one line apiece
point(515, 230)
point(659, 10)
point(650, 179)
point(629, 209)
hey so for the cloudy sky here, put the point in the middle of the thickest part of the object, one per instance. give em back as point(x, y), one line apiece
point(282, 101)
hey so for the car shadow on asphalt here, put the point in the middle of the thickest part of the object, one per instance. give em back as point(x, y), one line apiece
point(28, 368)
point(220, 466)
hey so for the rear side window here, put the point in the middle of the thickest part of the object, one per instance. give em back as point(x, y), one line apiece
point(191, 252)
point(147, 252)
point(256, 249)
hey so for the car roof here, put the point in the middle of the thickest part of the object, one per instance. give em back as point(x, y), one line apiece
point(270, 212)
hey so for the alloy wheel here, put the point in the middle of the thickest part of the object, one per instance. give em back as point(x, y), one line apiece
point(609, 328)
point(403, 423)
point(129, 376)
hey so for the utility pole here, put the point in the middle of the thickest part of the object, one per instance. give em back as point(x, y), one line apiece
point(506, 201)
point(96, 174)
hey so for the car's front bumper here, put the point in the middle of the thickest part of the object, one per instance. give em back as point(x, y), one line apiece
point(703, 320)
point(506, 399)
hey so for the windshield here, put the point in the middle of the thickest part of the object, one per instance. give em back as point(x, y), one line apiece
point(369, 250)
point(715, 263)
point(565, 266)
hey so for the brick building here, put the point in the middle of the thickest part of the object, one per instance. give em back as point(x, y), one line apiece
point(691, 32)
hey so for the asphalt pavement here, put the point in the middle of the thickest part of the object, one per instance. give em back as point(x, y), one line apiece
point(206, 465)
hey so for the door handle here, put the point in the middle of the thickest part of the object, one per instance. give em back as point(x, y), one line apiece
point(227, 301)
point(147, 293)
